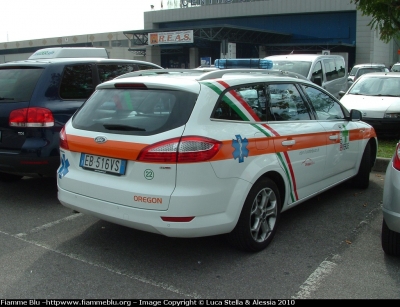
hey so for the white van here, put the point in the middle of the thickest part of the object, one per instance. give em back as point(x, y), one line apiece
point(327, 71)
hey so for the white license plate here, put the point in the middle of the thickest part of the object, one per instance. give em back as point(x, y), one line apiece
point(103, 164)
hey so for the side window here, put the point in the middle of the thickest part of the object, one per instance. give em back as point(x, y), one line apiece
point(77, 82)
point(317, 72)
point(324, 106)
point(340, 68)
point(243, 103)
point(331, 70)
point(110, 71)
point(286, 103)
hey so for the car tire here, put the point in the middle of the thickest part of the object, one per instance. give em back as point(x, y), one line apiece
point(390, 240)
point(361, 180)
point(259, 218)
point(5, 177)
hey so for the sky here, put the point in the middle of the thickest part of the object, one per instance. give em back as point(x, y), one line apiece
point(28, 19)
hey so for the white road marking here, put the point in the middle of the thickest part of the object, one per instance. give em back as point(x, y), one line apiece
point(78, 258)
point(314, 280)
point(48, 225)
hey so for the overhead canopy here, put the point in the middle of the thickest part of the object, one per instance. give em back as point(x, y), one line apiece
point(216, 33)
point(270, 40)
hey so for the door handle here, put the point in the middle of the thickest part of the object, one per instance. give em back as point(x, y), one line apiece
point(288, 142)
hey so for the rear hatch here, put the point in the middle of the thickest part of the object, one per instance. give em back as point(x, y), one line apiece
point(107, 139)
point(17, 84)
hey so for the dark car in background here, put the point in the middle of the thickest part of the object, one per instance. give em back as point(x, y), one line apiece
point(39, 95)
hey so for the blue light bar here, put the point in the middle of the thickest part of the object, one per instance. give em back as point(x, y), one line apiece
point(243, 63)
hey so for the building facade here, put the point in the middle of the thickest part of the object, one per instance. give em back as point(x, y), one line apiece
point(254, 28)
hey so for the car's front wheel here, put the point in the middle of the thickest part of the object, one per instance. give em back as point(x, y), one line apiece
point(259, 218)
point(390, 240)
point(361, 180)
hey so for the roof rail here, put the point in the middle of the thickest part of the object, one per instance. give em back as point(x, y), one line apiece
point(213, 74)
point(160, 71)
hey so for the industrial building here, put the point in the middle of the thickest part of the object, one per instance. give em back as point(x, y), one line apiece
point(182, 33)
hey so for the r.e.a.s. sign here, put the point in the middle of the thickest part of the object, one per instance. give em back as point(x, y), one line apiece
point(175, 37)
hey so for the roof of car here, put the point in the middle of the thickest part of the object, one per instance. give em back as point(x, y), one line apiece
point(74, 60)
point(300, 57)
point(369, 65)
point(191, 77)
point(200, 74)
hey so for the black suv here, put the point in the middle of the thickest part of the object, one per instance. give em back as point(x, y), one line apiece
point(39, 95)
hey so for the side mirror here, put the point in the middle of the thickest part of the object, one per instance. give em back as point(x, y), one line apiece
point(318, 81)
point(355, 115)
point(341, 94)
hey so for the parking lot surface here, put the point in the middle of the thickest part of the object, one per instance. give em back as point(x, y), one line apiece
point(327, 248)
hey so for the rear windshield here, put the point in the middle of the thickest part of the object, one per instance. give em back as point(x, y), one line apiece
point(17, 84)
point(300, 67)
point(353, 71)
point(363, 71)
point(395, 68)
point(134, 111)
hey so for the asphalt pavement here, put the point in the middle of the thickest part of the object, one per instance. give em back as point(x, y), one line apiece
point(381, 164)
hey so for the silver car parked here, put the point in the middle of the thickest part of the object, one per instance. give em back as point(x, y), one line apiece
point(390, 236)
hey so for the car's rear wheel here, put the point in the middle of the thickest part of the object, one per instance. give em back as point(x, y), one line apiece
point(259, 218)
point(361, 180)
point(390, 240)
point(5, 177)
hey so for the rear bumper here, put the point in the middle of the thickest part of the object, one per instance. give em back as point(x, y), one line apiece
point(29, 164)
point(150, 220)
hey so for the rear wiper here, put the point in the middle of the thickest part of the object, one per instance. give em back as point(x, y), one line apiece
point(6, 98)
point(122, 127)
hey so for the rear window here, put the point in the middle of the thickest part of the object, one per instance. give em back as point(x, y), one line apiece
point(17, 84)
point(134, 111)
point(396, 67)
point(363, 71)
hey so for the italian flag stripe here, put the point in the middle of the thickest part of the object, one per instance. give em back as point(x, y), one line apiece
point(241, 107)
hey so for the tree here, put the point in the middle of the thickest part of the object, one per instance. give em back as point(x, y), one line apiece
point(385, 16)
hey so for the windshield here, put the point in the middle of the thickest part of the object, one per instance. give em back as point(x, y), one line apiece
point(376, 86)
point(300, 67)
point(17, 84)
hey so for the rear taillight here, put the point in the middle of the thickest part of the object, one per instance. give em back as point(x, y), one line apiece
point(31, 117)
point(63, 139)
point(396, 159)
point(181, 150)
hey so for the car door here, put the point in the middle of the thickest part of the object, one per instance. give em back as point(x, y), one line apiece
point(342, 135)
point(299, 139)
point(276, 133)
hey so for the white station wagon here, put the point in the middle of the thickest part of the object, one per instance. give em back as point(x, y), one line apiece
point(208, 153)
